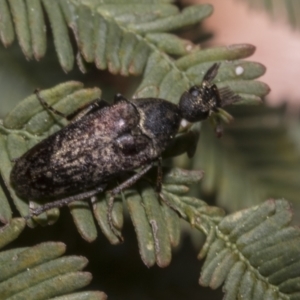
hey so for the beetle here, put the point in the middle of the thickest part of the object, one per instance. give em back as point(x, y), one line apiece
point(104, 141)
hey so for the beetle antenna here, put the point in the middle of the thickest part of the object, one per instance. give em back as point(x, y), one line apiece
point(211, 72)
point(228, 96)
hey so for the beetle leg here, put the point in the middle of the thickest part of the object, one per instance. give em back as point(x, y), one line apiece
point(96, 104)
point(126, 184)
point(47, 106)
point(64, 202)
point(216, 122)
point(159, 175)
point(78, 113)
point(164, 199)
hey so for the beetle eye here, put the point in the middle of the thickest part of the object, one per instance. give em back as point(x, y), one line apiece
point(194, 91)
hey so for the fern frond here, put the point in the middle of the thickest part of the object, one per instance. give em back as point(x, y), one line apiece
point(39, 270)
point(256, 254)
point(167, 80)
point(113, 35)
point(119, 37)
point(11, 231)
point(258, 145)
point(133, 39)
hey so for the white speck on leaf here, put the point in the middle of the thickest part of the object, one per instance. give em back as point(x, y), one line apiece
point(239, 70)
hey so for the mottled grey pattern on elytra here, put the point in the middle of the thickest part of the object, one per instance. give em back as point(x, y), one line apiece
point(96, 148)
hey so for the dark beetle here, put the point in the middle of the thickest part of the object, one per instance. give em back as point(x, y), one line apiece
point(106, 140)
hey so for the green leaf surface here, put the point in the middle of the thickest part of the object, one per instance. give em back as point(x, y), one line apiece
point(156, 220)
point(160, 74)
point(6, 25)
point(256, 254)
point(5, 168)
point(10, 254)
point(129, 38)
point(85, 18)
point(11, 231)
point(100, 209)
point(188, 16)
point(60, 33)
point(42, 271)
point(142, 227)
point(5, 210)
point(171, 44)
point(37, 28)
point(21, 22)
point(172, 222)
point(56, 286)
point(83, 219)
point(258, 144)
point(29, 107)
point(31, 257)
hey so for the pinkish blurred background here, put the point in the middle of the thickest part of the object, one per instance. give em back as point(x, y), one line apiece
point(277, 44)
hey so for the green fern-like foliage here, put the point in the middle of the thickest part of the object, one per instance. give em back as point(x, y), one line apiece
point(40, 272)
point(259, 145)
point(118, 35)
point(256, 253)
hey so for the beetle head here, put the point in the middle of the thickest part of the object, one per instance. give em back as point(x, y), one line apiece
point(199, 102)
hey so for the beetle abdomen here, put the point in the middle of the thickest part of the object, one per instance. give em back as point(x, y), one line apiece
point(82, 155)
